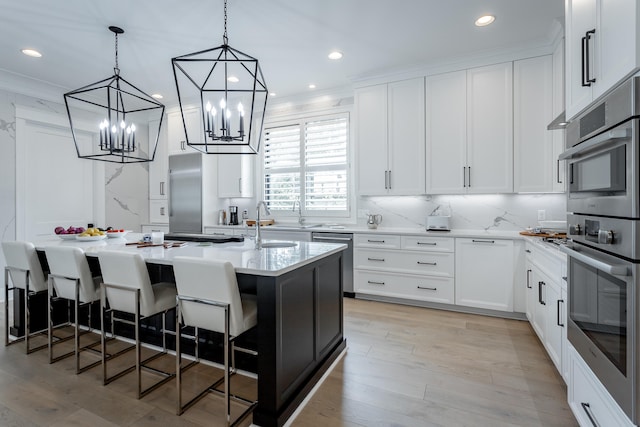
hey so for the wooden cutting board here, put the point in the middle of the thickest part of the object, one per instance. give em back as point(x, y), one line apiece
point(545, 234)
point(263, 222)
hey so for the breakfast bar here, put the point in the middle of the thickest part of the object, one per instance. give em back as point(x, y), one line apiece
point(300, 310)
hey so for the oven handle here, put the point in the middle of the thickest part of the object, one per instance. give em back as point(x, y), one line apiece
point(616, 270)
point(579, 149)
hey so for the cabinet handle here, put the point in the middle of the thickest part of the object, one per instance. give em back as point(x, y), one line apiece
point(587, 409)
point(558, 172)
point(469, 175)
point(427, 243)
point(527, 251)
point(375, 241)
point(483, 241)
point(427, 263)
point(564, 278)
point(427, 288)
point(588, 37)
point(162, 211)
point(239, 185)
point(386, 180)
point(464, 176)
point(389, 180)
point(182, 145)
point(582, 58)
point(540, 284)
point(162, 188)
point(560, 301)
point(371, 282)
point(376, 259)
point(528, 275)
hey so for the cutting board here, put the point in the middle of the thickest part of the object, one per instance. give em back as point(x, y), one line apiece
point(531, 233)
point(263, 222)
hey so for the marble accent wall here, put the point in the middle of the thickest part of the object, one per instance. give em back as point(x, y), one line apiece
point(506, 212)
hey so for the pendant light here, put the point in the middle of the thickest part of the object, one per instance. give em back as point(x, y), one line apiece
point(122, 113)
point(225, 90)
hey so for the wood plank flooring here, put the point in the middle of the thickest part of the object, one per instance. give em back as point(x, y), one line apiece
point(405, 366)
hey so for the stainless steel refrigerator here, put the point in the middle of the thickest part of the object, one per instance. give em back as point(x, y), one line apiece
point(185, 193)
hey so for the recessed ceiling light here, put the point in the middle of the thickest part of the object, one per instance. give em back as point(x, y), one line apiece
point(485, 20)
point(272, 94)
point(233, 79)
point(32, 52)
point(312, 86)
point(157, 96)
point(335, 55)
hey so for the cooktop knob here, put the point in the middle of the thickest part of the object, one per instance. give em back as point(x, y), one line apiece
point(605, 237)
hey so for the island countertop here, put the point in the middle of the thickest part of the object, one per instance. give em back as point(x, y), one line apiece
point(243, 255)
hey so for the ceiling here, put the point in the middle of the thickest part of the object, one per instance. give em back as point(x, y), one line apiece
point(290, 38)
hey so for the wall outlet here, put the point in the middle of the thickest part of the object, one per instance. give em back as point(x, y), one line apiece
point(542, 215)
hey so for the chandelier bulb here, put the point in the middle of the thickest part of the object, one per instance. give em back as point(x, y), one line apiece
point(223, 104)
point(208, 106)
point(114, 129)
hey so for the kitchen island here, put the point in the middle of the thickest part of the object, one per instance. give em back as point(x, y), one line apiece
point(300, 310)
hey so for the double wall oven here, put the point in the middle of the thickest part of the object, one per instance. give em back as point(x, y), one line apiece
point(603, 199)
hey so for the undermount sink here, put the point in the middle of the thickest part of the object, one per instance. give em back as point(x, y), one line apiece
point(279, 244)
point(297, 226)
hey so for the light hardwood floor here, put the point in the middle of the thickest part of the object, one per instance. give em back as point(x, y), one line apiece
point(405, 366)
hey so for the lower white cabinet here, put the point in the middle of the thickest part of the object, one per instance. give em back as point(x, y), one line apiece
point(409, 267)
point(159, 211)
point(484, 273)
point(222, 231)
point(590, 402)
point(150, 228)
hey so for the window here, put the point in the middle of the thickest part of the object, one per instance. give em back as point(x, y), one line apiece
point(307, 161)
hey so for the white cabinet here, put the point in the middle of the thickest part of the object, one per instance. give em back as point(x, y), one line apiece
point(158, 168)
point(602, 48)
point(159, 211)
point(532, 111)
point(557, 108)
point(223, 231)
point(176, 139)
point(484, 273)
point(406, 267)
point(469, 141)
point(235, 175)
point(150, 228)
point(390, 138)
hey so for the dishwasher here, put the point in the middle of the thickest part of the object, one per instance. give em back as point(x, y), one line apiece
point(347, 259)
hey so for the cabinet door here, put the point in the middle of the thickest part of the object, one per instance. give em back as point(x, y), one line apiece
point(235, 178)
point(533, 143)
point(446, 133)
point(158, 211)
point(555, 324)
point(557, 102)
point(580, 17)
point(484, 273)
point(159, 167)
point(371, 136)
point(490, 129)
point(618, 38)
point(176, 139)
point(530, 295)
point(406, 137)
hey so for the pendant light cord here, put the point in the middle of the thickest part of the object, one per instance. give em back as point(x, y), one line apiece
point(116, 69)
point(225, 39)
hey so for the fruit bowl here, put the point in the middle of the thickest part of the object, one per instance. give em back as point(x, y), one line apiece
point(90, 238)
point(113, 234)
point(67, 236)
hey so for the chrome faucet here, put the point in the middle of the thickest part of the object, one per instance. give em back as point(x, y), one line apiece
point(266, 210)
point(300, 218)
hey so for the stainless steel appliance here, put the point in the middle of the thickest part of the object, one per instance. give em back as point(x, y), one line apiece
point(185, 193)
point(604, 248)
point(233, 215)
point(347, 256)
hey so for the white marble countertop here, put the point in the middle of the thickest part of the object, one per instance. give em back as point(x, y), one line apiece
point(243, 255)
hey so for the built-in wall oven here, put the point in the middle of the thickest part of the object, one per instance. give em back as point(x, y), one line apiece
point(604, 257)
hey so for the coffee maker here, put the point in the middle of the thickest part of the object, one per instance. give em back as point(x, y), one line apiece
point(233, 215)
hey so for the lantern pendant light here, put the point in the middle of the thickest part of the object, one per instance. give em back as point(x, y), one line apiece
point(223, 89)
point(122, 113)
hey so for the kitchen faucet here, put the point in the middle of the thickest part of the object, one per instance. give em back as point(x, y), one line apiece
point(300, 218)
point(266, 210)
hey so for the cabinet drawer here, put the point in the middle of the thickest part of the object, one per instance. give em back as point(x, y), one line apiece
point(159, 211)
point(219, 231)
point(434, 289)
point(150, 228)
point(431, 263)
point(377, 241)
point(427, 243)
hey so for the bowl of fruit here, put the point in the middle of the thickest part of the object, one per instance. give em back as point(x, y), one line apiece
point(68, 233)
point(91, 234)
point(113, 233)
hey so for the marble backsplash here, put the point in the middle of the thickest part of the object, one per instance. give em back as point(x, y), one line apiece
point(506, 212)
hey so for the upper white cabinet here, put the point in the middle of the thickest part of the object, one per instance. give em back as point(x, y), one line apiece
point(390, 138)
point(484, 273)
point(159, 166)
point(534, 164)
point(469, 140)
point(602, 48)
point(235, 175)
point(557, 108)
point(176, 139)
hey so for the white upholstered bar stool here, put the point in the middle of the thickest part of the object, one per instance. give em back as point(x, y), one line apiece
point(70, 278)
point(209, 298)
point(23, 271)
point(127, 288)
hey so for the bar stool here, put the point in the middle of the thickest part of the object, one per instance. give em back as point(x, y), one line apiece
point(127, 288)
point(209, 298)
point(25, 271)
point(70, 278)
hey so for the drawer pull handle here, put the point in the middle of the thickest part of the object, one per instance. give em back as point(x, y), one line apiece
point(427, 243)
point(427, 263)
point(587, 410)
point(427, 288)
point(374, 283)
point(527, 251)
point(483, 241)
point(375, 241)
point(376, 259)
point(558, 313)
